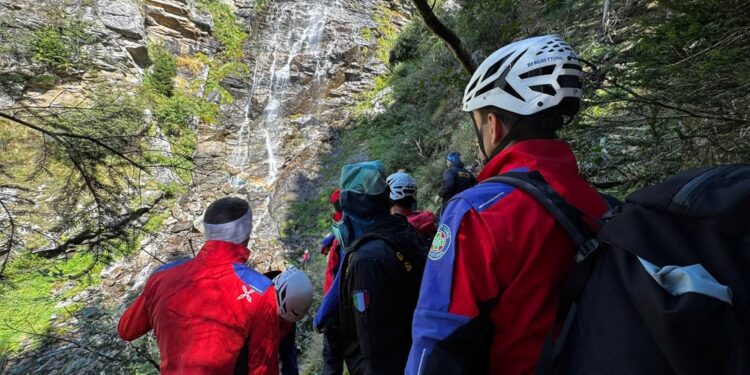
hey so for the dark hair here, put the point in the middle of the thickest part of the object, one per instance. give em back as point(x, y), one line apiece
point(405, 202)
point(225, 210)
point(544, 124)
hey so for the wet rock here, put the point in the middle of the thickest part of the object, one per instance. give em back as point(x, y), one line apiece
point(203, 22)
point(268, 141)
point(90, 313)
point(182, 226)
point(352, 75)
point(139, 54)
point(122, 16)
point(157, 16)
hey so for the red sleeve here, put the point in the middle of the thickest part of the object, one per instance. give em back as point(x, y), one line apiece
point(263, 345)
point(134, 322)
point(477, 276)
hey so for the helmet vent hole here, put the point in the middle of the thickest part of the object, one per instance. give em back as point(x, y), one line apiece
point(572, 66)
point(545, 89)
point(473, 84)
point(514, 61)
point(545, 70)
point(485, 89)
point(509, 89)
point(495, 67)
point(569, 81)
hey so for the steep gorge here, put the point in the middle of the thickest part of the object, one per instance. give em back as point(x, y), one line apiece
point(308, 64)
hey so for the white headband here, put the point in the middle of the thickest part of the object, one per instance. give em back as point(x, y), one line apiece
point(234, 231)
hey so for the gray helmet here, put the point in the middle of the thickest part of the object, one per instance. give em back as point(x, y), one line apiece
point(294, 294)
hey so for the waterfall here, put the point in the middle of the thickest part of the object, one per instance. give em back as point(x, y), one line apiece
point(292, 47)
point(299, 30)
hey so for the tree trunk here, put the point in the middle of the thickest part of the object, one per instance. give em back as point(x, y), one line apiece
point(446, 34)
point(605, 15)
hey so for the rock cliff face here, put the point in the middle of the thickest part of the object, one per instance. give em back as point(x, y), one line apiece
point(309, 62)
point(120, 31)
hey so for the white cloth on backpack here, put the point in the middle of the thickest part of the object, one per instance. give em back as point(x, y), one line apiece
point(689, 279)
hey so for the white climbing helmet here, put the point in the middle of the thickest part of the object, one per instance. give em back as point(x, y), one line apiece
point(402, 185)
point(526, 77)
point(294, 294)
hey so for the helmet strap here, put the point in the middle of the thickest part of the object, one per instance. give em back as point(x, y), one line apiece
point(510, 137)
point(480, 139)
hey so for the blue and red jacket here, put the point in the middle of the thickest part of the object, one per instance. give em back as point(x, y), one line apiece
point(496, 267)
point(205, 310)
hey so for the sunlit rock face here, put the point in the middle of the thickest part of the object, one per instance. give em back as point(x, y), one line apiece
point(308, 64)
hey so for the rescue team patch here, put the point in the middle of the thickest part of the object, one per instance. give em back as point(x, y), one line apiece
point(246, 294)
point(361, 299)
point(440, 243)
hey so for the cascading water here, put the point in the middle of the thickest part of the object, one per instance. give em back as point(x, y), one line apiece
point(296, 38)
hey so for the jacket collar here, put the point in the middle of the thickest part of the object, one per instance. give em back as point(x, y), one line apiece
point(223, 252)
point(534, 154)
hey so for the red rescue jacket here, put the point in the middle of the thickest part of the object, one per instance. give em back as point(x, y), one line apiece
point(498, 257)
point(423, 222)
point(204, 310)
point(332, 266)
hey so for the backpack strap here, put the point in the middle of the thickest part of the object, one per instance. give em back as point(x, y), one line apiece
point(584, 238)
point(569, 217)
point(372, 236)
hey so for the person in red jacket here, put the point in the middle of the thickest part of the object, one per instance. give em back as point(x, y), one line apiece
point(330, 246)
point(203, 311)
point(403, 196)
point(333, 351)
point(498, 261)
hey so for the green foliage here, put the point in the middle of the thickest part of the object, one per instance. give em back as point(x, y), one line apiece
point(58, 46)
point(36, 285)
point(226, 29)
point(387, 32)
point(673, 96)
point(219, 70)
point(310, 217)
point(155, 222)
point(160, 77)
point(259, 4)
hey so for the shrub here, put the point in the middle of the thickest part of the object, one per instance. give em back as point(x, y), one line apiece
point(160, 77)
point(59, 46)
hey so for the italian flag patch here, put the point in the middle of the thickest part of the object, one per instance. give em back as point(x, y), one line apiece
point(361, 300)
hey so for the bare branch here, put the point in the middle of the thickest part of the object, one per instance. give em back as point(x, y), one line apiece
point(453, 42)
point(58, 135)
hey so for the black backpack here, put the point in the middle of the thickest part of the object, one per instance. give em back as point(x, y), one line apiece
point(664, 287)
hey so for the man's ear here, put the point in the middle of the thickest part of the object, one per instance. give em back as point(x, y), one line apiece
point(497, 128)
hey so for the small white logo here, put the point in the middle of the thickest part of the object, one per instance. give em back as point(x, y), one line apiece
point(247, 295)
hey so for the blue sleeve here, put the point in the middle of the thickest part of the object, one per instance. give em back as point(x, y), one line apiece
point(329, 307)
point(432, 321)
point(328, 240)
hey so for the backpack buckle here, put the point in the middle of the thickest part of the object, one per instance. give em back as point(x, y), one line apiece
point(586, 249)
